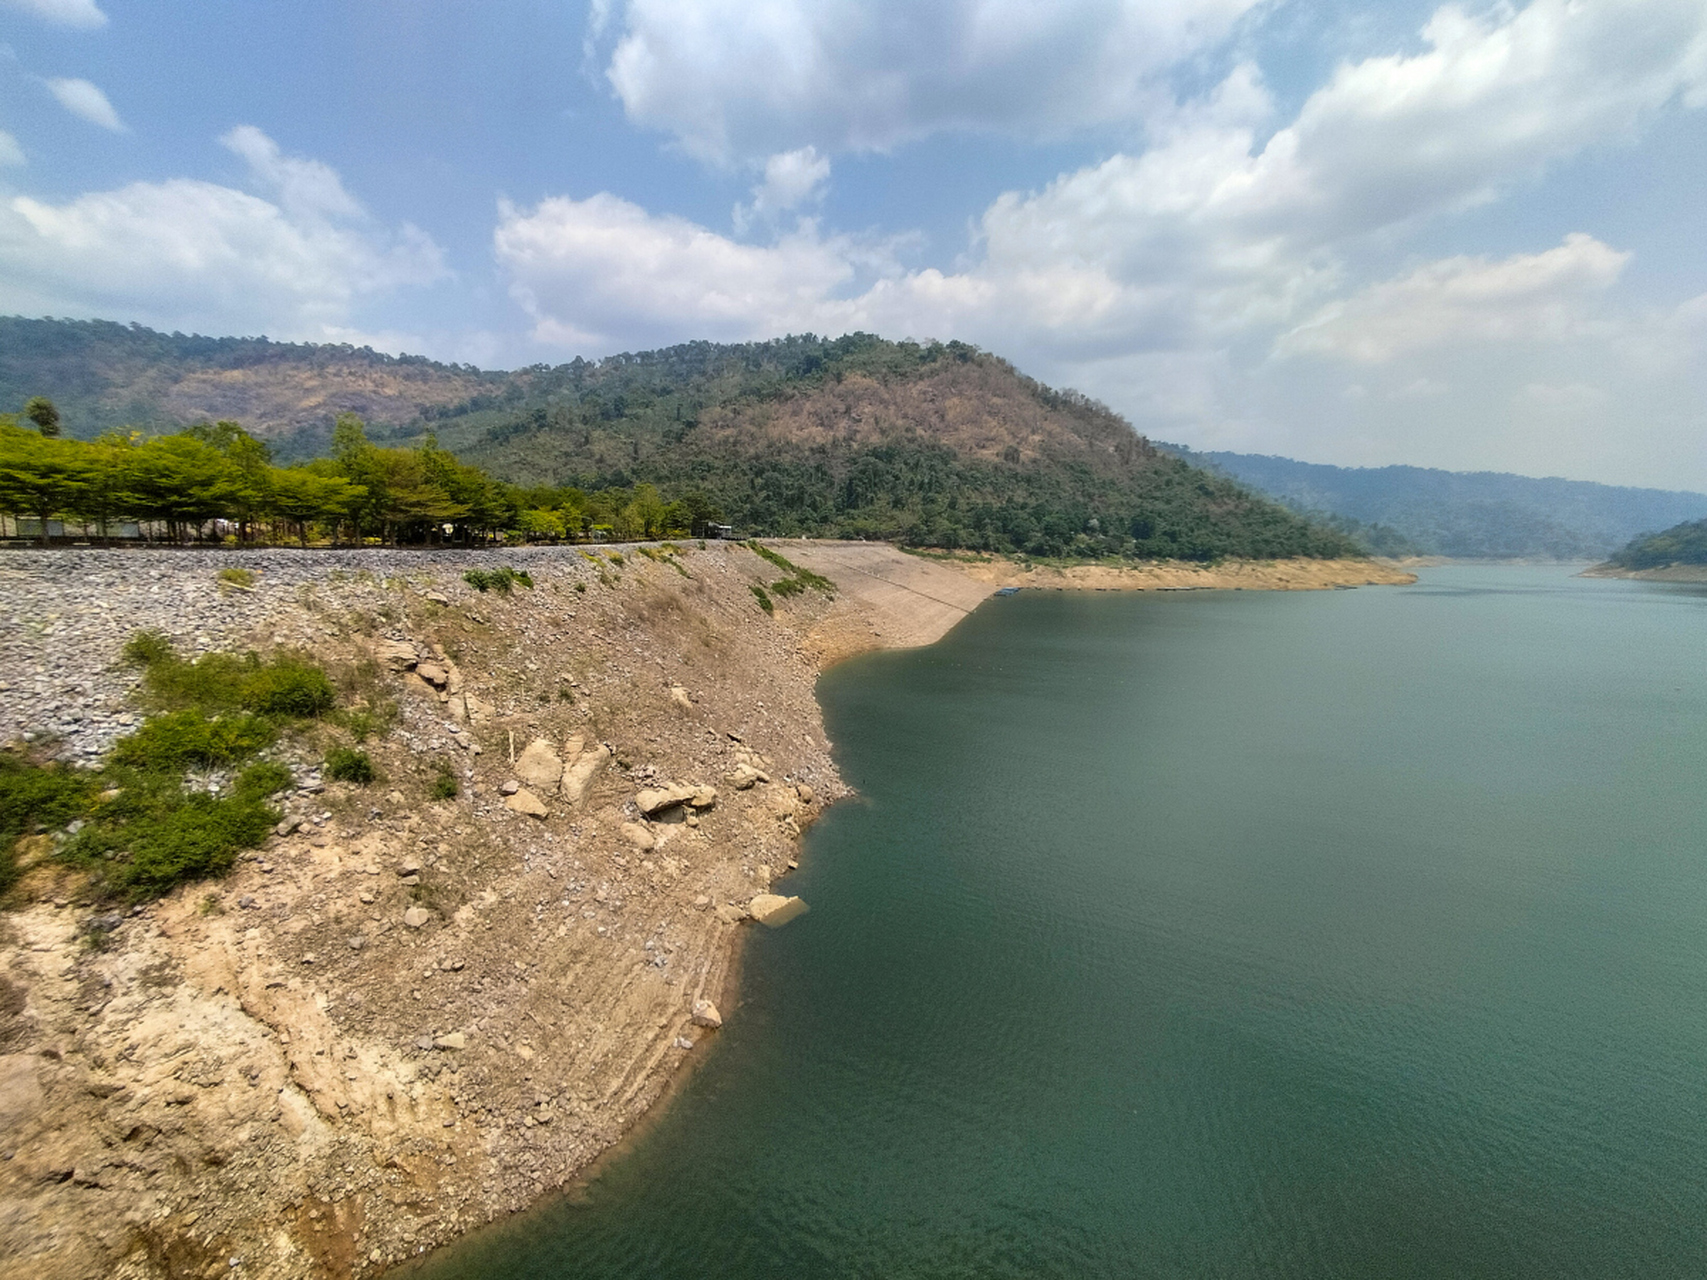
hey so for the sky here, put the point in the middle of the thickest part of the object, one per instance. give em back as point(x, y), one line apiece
point(1468, 236)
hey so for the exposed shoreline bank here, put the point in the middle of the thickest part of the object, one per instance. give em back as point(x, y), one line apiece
point(243, 1080)
point(1665, 573)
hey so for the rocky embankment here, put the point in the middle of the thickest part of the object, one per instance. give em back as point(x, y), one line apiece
point(404, 1017)
point(400, 1018)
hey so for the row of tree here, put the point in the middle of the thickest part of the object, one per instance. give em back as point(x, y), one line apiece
point(217, 480)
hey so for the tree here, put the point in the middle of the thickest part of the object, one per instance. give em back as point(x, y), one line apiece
point(40, 410)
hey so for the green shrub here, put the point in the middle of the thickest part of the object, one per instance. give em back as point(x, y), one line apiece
point(580, 587)
point(262, 779)
point(787, 587)
point(346, 765)
point(146, 648)
point(235, 577)
point(288, 687)
point(499, 580)
point(197, 838)
point(763, 599)
point(182, 740)
point(34, 795)
point(444, 785)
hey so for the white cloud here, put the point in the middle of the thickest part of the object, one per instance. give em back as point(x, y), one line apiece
point(1527, 298)
point(600, 272)
point(738, 78)
point(306, 188)
point(83, 99)
point(191, 254)
point(792, 178)
point(1167, 281)
point(84, 14)
point(10, 152)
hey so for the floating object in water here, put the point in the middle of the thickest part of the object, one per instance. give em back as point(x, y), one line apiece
point(1007, 591)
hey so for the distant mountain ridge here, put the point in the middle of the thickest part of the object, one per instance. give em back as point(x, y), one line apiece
point(1400, 510)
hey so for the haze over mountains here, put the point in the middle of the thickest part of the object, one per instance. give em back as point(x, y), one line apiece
point(1471, 515)
point(920, 437)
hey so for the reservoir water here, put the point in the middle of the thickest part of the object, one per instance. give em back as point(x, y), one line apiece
point(1351, 934)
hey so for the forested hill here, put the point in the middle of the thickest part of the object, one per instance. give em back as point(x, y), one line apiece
point(938, 445)
point(1682, 544)
point(1474, 515)
point(104, 376)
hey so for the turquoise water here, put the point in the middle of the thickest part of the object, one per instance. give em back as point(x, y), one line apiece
point(1353, 934)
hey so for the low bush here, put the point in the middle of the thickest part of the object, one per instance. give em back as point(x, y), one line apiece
point(182, 740)
point(287, 687)
point(31, 796)
point(499, 580)
point(145, 648)
point(763, 599)
point(235, 577)
point(346, 765)
point(787, 587)
point(443, 786)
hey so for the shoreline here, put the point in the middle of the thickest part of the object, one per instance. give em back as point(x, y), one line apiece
point(442, 1142)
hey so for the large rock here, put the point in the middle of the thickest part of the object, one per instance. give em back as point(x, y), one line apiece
point(743, 776)
point(578, 777)
point(396, 656)
point(433, 674)
point(539, 767)
point(694, 794)
point(637, 835)
point(524, 801)
point(774, 909)
point(705, 1015)
point(679, 696)
point(415, 917)
point(657, 799)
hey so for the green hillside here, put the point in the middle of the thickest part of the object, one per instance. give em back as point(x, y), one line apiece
point(1681, 544)
point(931, 445)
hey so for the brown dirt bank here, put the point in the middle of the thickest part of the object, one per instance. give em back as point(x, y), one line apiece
point(406, 1018)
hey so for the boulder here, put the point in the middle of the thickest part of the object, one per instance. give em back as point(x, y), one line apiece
point(679, 696)
point(775, 910)
point(729, 913)
point(658, 799)
point(578, 777)
point(743, 776)
point(705, 1014)
point(455, 1040)
point(637, 835)
point(437, 597)
point(433, 674)
point(694, 794)
point(396, 656)
point(804, 792)
point(524, 801)
point(415, 917)
point(539, 767)
point(509, 788)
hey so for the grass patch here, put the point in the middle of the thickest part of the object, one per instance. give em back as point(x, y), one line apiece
point(443, 785)
point(799, 579)
point(284, 685)
point(763, 599)
point(786, 587)
point(346, 765)
point(499, 580)
point(143, 832)
point(31, 796)
point(235, 577)
point(180, 740)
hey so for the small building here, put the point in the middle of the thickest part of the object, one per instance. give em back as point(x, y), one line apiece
point(720, 531)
